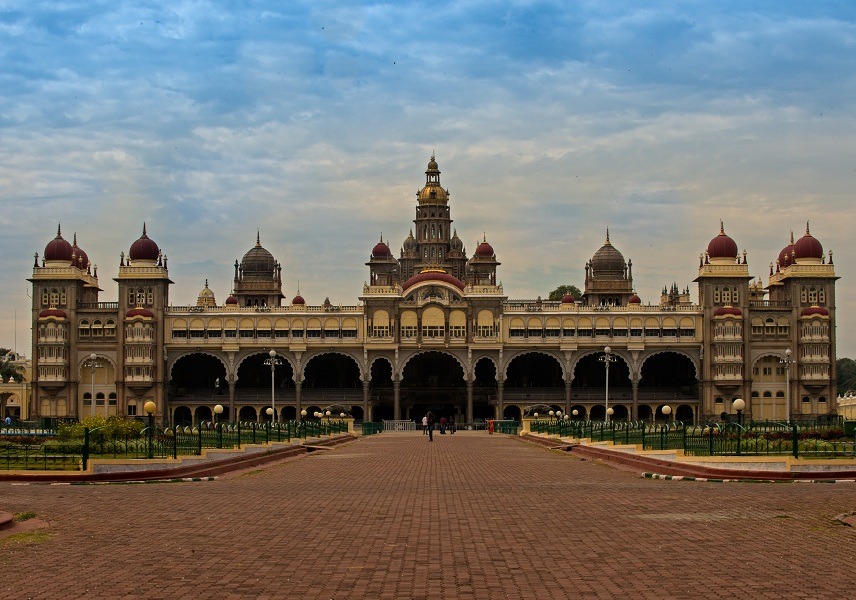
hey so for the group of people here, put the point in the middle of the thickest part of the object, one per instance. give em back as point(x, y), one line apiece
point(428, 425)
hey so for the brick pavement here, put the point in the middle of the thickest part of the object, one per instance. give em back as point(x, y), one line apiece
point(467, 516)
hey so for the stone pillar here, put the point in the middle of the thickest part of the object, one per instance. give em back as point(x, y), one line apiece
point(634, 409)
point(396, 400)
point(500, 401)
point(568, 397)
point(469, 401)
point(298, 399)
point(366, 389)
point(232, 415)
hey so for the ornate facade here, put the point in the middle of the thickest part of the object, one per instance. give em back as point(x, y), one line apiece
point(434, 330)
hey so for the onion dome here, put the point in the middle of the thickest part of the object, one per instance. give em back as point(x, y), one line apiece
point(53, 313)
point(139, 313)
point(231, 300)
point(634, 299)
point(258, 263)
point(298, 300)
point(381, 250)
point(206, 297)
point(58, 248)
point(608, 261)
point(814, 311)
point(81, 258)
point(410, 242)
point(484, 249)
point(808, 246)
point(727, 311)
point(433, 274)
point(722, 246)
point(456, 243)
point(144, 248)
point(568, 299)
point(786, 255)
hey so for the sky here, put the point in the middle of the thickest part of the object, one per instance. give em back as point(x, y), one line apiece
point(312, 122)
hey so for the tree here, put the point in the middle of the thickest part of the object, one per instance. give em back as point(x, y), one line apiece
point(846, 368)
point(560, 292)
point(7, 367)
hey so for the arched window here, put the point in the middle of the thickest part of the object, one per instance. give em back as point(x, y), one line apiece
point(45, 298)
point(803, 295)
point(141, 297)
point(812, 295)
point(726, 295)
point(150, 297)
point(97, 328)
point(54, 298)
point(716, 295)
point(131, 298)
point(62, 297)
point(767, 394)
point(110, 328)
point(821, 299)
point(83, 328)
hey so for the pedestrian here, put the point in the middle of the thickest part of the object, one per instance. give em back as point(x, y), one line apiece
point(429, 419)
point(425, 425)
point(8, 420)
point(451, 425)
point(442, 425)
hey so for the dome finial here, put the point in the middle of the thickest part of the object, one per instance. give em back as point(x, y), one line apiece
point(807, 232)
point(144, 229)
point(74, 243)
point(721, 227)
point(607, 235)
point(792, 236)
point(258, 238)
point(484, 236)
point(59, 230)
point(206, 282)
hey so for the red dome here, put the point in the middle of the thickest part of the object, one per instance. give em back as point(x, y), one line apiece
point(722, 246)
point(724, 311)
point(139, 312)
point(52, 313)
point(808, 246)
point(634, 299)
point(484, 249)
point(815, 310)
point(568, 299)
point(381, 250)
point(58, 248)
point(298, 300)
point(785, 256)
point(231, 300)
point(81, 258)
point(433, 275)
point(144, 248)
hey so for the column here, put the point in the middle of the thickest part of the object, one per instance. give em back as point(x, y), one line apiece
point(232, 415)
point(366, 389)
point(469, 401)
point(634, 409)
point(298, 397)
point(500, 402)
point(568, 397)
point(396, 400)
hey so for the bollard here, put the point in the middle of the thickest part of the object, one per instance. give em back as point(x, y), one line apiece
point(85, 447)
point(796, 441)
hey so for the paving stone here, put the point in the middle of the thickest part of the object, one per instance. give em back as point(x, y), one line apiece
point(468, 516)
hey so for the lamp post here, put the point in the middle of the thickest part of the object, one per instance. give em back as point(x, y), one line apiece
point(218, 410)
point(666, 410)
point(150, 408)
point(739, 405)
point(787, 361)
point(607, 359)
point(93, 364)
point(273, 361)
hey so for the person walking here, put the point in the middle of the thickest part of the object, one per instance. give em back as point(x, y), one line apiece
point(425, 425)
point(442, 425)
point(429, 418)
point(451, 425)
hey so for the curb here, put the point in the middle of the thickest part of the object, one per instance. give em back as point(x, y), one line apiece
point(716, 480)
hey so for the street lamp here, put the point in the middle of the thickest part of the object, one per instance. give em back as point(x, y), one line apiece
point(273, 361)
point(739, 405)
point(666, 410)
point(788, 360)
point(93, 364)
point(218, 410)
point(607, 359)
point(150, 408)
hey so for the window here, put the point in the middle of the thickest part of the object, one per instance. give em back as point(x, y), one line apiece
point(812, 295)
point(132, 410)
point(433, 331)
point(350, 333)
point(83, 328)
point(110, 328)
point(231, 333)
point(45, 298)
point(97, 328)
point(313, 333)
point(150, 297)
point(215, 333)
point(486, 331)
point(179, 334)
point(408, 331)
point(457, 331)
point(517, 333)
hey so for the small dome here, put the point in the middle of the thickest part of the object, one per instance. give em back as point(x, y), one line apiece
point(81, 258)
point(726, 311)
point(722, 246)
point(231, 300)
point(258, 263)
point(432, 275)
point(206, 297)
point(58, 248)
point(298, 300)
point(381, 250)
point(142, 313)
point(410, 242)
point(484, 249)
point(808, 246)
point(608, 261)
point(786, 255)
point(53, 313)
point(814, 311)
point(634, 299)
point(568, 299)
point(456, 243)
point(144, 248)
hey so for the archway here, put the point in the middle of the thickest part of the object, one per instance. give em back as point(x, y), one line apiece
point(247, 413)
point(198, 377)
point(203, 413)
point(684, 414)
point(619, 412)
point(668, 377)
point(332, 378)
point(512, 412)
point(433, 381)
point(582, 413)
point(534, 378)
point(484, 388)
point(182, 416)
point(644, 412)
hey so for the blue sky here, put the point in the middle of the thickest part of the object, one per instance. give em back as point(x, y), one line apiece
point(313, 122)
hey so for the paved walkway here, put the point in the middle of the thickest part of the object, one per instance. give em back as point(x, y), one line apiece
point(467, 516)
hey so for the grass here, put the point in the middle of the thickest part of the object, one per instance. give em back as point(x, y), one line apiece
point(29, 537)
point(24, 517)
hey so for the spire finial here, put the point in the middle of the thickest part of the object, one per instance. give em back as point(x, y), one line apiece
point(807, 232)
point(258, 237)
point(74, 243)
point(607, 235)
point(206, 282)
point(59, 230)
point(792, 237)
point(144, 229)
point(721, 227)
point(484, 236)
point(381, 236)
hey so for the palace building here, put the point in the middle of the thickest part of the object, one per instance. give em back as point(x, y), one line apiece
point(434, 330)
